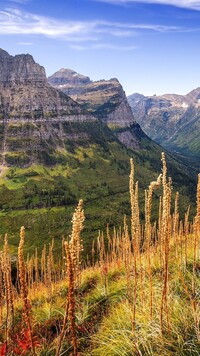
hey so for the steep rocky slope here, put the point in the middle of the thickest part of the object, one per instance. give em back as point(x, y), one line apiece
point(33, 115)
point(105, 99)
point(171, 120)
point(25, 92)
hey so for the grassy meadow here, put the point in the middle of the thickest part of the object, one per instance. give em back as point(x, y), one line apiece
point(43, 197)
point(136, 294)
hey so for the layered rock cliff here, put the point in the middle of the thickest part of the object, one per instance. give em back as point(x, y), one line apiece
point(20, 68)
point(105, 99)
point(25, 92)
point(33, 115)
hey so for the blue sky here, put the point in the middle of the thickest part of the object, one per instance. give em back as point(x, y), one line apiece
point(151, 46)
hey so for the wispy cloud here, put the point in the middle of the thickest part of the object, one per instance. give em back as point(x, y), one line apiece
point(24, 23)
point(19, 1)
point(16, 22)
point(188, 4)
point(25, 43)
point(100, 46)
point(150, 27)
point(114, 47)
point(77, 47)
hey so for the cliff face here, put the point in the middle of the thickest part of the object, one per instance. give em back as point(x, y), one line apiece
point(39, 123)
point(33, 115)
point(20, 68)
point(25, 92)
point(105, 99)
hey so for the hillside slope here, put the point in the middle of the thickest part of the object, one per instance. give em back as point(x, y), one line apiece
point(136, 293)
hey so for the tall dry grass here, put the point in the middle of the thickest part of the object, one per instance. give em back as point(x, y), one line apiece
point(145, 252)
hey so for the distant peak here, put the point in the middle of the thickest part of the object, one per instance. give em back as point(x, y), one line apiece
point(114, 80)
point(3, 53)
point(66, 76)
point(20, 67)
point(67, 70)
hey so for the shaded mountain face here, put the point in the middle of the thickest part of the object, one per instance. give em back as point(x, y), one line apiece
point(105, 99)
point(171, 120)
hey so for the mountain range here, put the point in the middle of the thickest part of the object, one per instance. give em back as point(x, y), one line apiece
point(171, 120)
point(68, 138)
point(106, 100)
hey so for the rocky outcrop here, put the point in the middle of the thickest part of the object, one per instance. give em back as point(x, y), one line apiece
point(134, 99)
point(121, 116)
point(21, 68)
point(26, 94)
point(105, 99)
point(39, 123)
point(33, 115)
point(131, 136)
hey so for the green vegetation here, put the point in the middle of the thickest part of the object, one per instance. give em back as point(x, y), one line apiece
point(42, 184)
point(138, 293)
point(44, 197)
point(186, 140)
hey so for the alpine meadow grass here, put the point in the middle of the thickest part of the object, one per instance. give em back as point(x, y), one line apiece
point(136, 294)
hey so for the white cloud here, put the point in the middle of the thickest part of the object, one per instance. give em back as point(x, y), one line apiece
point(19, 1)
point(151, 27)
point(24, 23)
point(78, 47)
point(16, 22)
point(25, 43)
point(188, 4)
point(107, 46)
point(113, 47)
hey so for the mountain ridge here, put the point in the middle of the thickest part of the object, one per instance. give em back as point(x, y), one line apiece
point(104, 99)
point(166, 119)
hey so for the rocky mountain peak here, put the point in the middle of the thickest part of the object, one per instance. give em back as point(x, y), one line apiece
point(135, 98)
point(36, 119)
point(193, 96)
point(68, 77)
point(105, 99)
point(20, 68)
point(26, 94)
point(172, 120)
point(4, 54)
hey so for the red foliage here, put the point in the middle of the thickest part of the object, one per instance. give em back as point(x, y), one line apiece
point(3, 349)
point(23, 343)
point(105, 269)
